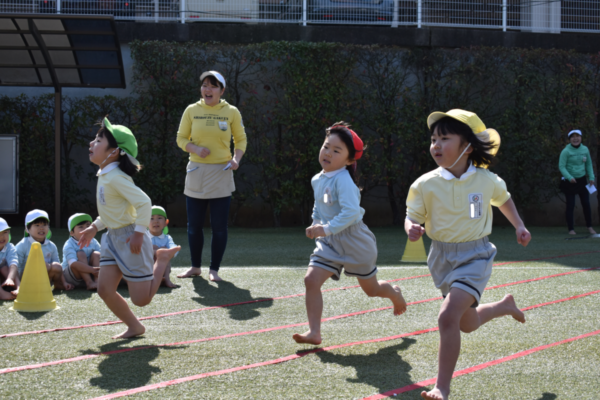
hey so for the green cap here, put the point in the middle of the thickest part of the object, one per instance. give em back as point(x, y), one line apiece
point(78, 218)
point(125, 140)
point(158, 210)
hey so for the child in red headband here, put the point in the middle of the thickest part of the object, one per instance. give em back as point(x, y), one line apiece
point(343, 241)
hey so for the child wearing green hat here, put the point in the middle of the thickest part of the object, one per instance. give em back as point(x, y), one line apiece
point(125, 210)
point(455, 203)
point(81, 265)
point(37, 225)
point(8, 264)
point(161, 239)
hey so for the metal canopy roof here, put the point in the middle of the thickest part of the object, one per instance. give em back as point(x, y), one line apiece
point(60, 51)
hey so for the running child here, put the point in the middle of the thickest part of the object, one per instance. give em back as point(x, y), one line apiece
point(37, 229)
point(9, 262)
point(455, 203)
point(125, 210)
point(81, 265)
point(161, 239)
point(343, 241)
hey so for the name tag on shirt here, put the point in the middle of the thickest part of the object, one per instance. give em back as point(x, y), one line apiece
point(584, 159)
point(101, 197)
point(327, 199)
point(475, 205)
point(223, 125)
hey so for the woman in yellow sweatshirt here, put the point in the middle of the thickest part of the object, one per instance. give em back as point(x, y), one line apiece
point(205, 132)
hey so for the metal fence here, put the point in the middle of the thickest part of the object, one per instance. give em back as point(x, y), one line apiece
point(548, 16)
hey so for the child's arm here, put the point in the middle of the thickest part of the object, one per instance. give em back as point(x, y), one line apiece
point(413, 229)
point(510, 212)
point(87, 235)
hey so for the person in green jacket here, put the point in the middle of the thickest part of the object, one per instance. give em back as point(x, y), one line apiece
point(574, 164)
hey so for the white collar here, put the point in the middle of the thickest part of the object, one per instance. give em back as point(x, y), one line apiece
point(161, 236)
point(32, 240)
point(108, 168)
point(447, 175)
point(331, 174)
point(4, 249)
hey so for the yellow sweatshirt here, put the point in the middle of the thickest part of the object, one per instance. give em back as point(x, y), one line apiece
point(212, 127)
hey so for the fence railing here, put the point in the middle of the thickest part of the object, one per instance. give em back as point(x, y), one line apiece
point(548, 16)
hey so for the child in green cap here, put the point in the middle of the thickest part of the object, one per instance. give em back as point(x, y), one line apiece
point(125, 210)
point(81, 265)
point(161, 239)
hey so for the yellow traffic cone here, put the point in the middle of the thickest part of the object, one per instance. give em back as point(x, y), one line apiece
point(414, 251)
point(35, 294)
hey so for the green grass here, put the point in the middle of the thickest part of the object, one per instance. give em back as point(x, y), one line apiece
point(268, 263)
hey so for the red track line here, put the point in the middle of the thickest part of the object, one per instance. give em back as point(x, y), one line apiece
point(475, 368)
point(317, 350)
point(252, 301)
point(94, 355)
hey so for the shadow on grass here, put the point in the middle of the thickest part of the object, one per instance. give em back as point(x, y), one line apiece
point(548, 396)
point(384, 370)
point(32, 316)
point(126, 370)
point(228, 293)
point(79, 294)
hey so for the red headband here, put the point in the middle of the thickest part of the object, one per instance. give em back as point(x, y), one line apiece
point(358, 143)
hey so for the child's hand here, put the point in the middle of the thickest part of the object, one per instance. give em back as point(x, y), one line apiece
point(415, 232)
point(87, 235)
point(135, 242)
point(96, 271)
point(309, 232)
point(523, 236)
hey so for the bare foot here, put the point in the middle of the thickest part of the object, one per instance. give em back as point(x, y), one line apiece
point(193, 271)
point(592, 231)
point(572, 232)
point(308, 338)
point(9, 285)
point(435, 394)
point(63, 285)
point(168, 283)
point(399, 302)
point(92, 285)
point(131, 332)
point(508, 303)
point(4, 295)
point(214, 276)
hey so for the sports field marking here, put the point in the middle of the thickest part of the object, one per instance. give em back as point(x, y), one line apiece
point(251, 301)
point(303, 354)
point(479, 367)
point(231, 335)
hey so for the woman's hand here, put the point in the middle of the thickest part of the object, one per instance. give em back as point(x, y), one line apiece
point(234, 164)
point(135, 242)
point(86, 236)
point(202, 152)
point(572, 180)
point(591, 183)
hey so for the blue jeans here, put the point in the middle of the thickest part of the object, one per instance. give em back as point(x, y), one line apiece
point(219, 214)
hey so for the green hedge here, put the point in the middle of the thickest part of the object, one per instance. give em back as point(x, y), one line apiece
point(289, 92)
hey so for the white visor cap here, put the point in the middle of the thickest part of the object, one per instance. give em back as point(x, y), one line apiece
point(216, 75)
point(577, 131)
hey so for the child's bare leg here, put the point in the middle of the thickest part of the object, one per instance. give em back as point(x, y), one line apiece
point(12, 281)
point(314, 279)
point(374, 288)
point(85, 276)
point(108, 281)
point(475, 317)
point(142, 292)
point(55, 273)
point(166, 281)
point(4, 295)
point(3, 272)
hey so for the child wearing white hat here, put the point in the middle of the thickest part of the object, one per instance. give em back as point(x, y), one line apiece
point(81, 265)
point(9, 262)
point(37, 229)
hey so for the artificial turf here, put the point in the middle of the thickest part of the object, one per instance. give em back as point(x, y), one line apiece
point(267, 263)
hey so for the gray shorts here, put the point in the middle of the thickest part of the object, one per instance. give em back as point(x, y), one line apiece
point(467, 266)
point(115, 250)
point(353, 250)
point(71, 278)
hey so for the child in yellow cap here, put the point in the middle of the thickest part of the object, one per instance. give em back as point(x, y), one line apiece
point(161, 239)
point(123, 208)
point(455, 203)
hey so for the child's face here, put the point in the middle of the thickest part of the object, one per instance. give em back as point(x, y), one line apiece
point(445, 149)
point(157, 224)
point(4, 235)
point(38, 231)
point(99, 150)
point(575, 139)
point(210, 93)
point(334, 154)
point(76, 232)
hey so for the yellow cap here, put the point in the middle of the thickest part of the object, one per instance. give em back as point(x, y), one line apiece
point(471, 119)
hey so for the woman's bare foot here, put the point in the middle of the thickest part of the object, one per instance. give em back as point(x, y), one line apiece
point(435, 394)
point(399, 302)
point(168, 283)
point(592, 231)
point(4, 295)
point(307, 337)
point(193, 271)
point(93, 285)
point(572, 232)
point(510, 307)
point(131, 332)
point(214, 275)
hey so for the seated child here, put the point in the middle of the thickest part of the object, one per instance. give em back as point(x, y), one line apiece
point(81, 266)
point(161, 239)
point(8, 264)
point(37, 229)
